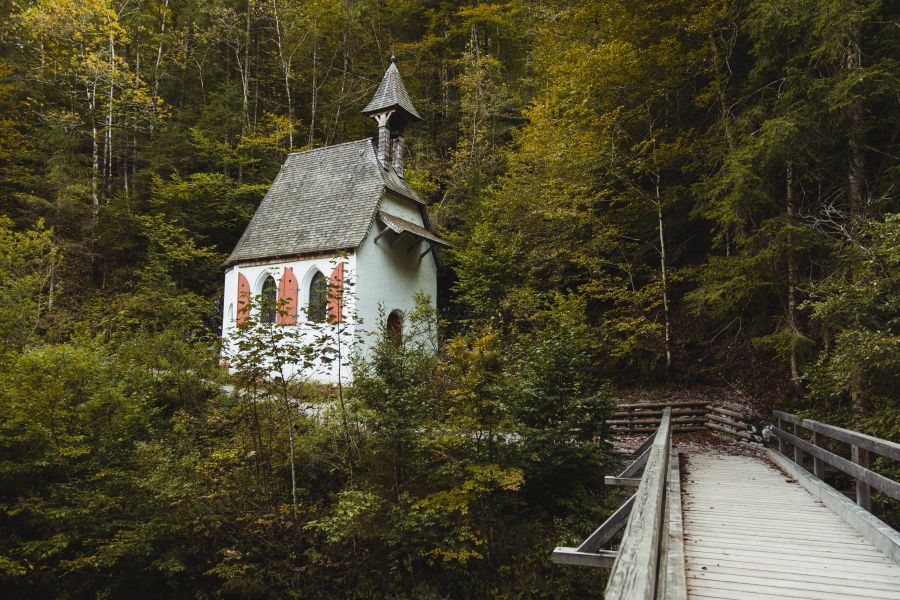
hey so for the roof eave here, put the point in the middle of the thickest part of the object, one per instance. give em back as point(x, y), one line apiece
point(289, 257)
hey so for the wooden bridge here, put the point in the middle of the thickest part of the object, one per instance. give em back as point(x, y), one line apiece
point(736, 527)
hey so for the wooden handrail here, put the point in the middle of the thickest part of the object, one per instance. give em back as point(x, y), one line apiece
point(857, 467)
point(636, 568)
point(650, 561)
point(854, 438)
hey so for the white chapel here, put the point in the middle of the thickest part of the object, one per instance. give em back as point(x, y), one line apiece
point(339, 218)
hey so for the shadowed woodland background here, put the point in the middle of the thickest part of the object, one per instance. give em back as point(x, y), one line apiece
point(665, 194)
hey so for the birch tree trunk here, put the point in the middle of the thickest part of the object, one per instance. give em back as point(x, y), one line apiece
point(95, 149)
point(108, 144)
point(664, 274)
point(792, 279)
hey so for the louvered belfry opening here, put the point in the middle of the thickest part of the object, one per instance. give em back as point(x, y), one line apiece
point(393, 110)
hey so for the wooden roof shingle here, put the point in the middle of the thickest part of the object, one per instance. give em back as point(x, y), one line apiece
point(322, 200)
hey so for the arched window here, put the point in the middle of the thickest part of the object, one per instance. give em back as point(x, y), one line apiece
point(394, 329)
point(269, 301)
point(318, 298)
point(230, 313)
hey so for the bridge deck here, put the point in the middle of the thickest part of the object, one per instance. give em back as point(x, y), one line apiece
point(750, 533)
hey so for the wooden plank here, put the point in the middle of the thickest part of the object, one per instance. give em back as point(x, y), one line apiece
point(662, 405)
point(798, 453)
point(762, 557)
point(717, 427)
point(675, 570)
point(563, 555)
point(818, 463)
point(788, 417)
point(783, 541)
point(782, 445)
point(675, 429)
point(780, 591)
point(657, 413)
point(634, 574)
point(860, 440)
point(622, 481)
point(870, 478)
point(797, 548)
point(860, 456)
point(755, 555)
point(647, 421)
point(729, 413)
point(849, 587)
point(609, 528)
point(645, 444)
point(726, 421)
point(796, 569)
point(823, 533)
point(637, 465)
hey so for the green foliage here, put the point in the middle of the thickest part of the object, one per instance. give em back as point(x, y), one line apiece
point(620, 182)
point(861, 303)
point(27, 264)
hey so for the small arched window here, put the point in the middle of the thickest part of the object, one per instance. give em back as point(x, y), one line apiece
point(394, 329)
point(269, 299)
point(230, 316)
point(318, 298)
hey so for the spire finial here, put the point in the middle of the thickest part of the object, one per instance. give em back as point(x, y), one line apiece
point(393, 59)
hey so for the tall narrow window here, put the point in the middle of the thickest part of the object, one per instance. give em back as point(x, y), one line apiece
point(395, 328)
point(318, 298)
point(269, 300)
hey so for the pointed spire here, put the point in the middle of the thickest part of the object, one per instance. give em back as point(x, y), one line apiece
point(392, 95)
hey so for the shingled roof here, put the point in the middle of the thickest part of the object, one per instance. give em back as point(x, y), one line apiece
point(392, 94)
point(322, 200)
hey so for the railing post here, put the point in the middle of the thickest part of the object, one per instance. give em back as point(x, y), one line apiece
point(782, 445)
point(863, 492)
point(798, 453)
point(818, 463)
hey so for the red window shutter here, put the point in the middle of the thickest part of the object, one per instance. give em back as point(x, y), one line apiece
point(243, 299)
point(336, 294)
point(287, 298)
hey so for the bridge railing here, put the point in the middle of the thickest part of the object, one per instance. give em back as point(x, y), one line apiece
point(858, 467)
point(649, 563)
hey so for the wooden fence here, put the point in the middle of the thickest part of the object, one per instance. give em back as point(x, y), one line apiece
point(862, 446)
point(686, 416)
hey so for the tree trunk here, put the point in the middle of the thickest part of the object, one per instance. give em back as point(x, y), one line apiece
point(315, 89)
point(286, 72)
point(792, 279)
point(856, 141)
point(95, 150)
point(664, 274)
point(159, 50)
point(290, 428)
point(340, 102)
point(108, 149)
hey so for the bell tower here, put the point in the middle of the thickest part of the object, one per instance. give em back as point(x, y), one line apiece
point(393, 110)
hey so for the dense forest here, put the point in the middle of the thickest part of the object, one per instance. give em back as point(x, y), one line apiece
point(661, 194)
